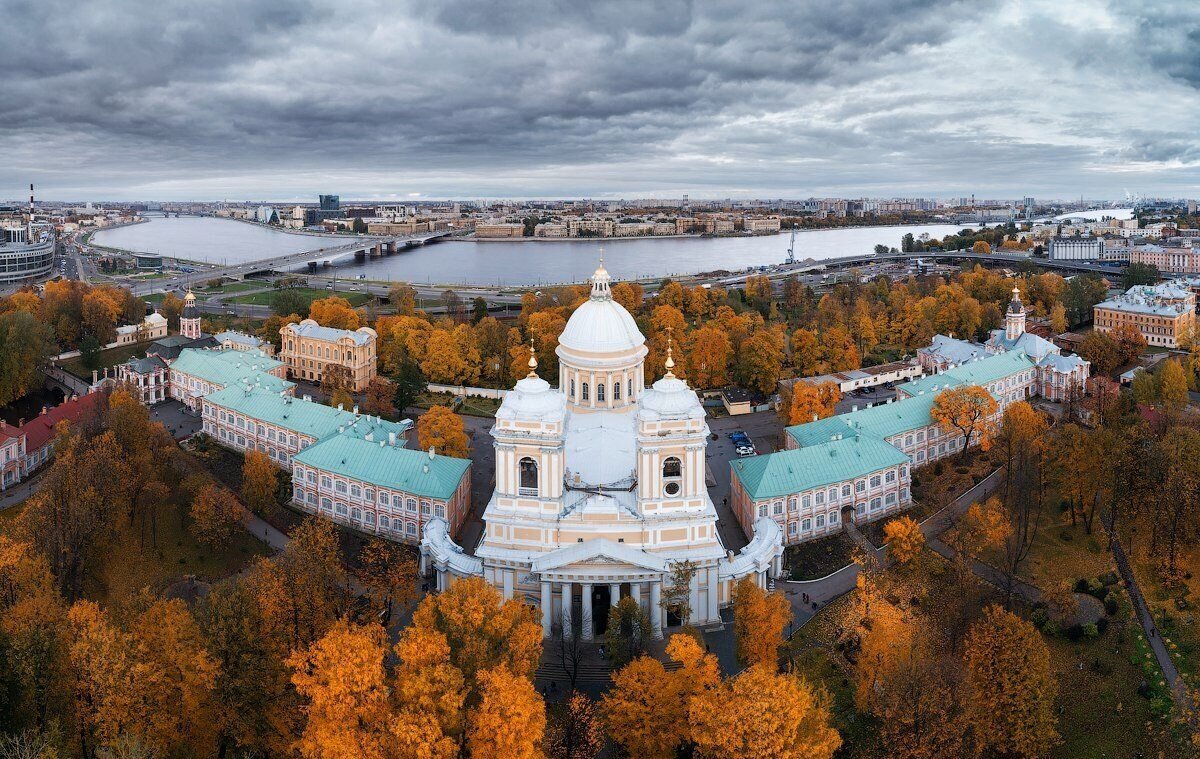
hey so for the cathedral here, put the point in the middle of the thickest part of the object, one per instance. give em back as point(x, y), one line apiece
point(600, 490)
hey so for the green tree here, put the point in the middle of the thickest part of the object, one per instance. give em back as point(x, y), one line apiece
point(89, 349)
point(285, 302)
point(359, 227)
point(1140, 274)
point(410, 383)
point(479, 310)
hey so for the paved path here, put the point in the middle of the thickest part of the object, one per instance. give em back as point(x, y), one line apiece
point(1183, 700)
point(807, 596)
point(20, 492)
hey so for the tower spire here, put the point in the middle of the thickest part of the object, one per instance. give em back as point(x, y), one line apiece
point(670, 362)
point(601, 281)
point(532, 360)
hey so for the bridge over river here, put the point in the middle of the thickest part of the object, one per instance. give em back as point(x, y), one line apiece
point(359, 248)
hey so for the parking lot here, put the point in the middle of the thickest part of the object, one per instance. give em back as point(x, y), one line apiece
point(764, 429)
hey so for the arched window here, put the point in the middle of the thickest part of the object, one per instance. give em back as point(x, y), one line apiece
point(572, 387)
point(630, 393)
point(529, 476)
point(672, 470)
point(617, 390)
point(584, 395)
point(600, 393)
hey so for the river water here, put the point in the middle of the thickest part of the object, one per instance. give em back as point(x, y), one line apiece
point(513, 263)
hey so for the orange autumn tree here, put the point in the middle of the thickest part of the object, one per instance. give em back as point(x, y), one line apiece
point(1010, 686)
point(707, 358)
point(259, 481)
point(442, 429)
point(214, 512)
point(334, 312)
point(643, 711)
point(807, 402)
point(765, 714)
point(904, 538)
point(759, 619)
point(968, 411)
point(510, 720)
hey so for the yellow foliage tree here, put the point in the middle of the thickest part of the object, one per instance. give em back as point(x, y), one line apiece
point(442, 429)
point(215, 512)
point(759, 619)
point(643, 711)
point(762, 714)
point(905, 541)
point(1010, 686)
point(760, 361)
point(259, 481)
point(510, 721)
point(967, 410)
point(335, 312)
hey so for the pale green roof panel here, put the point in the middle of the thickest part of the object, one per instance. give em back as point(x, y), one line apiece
point(386, 466)
point(788, 472)
point(980, 372)
point(303, 417)
point(880, 421)
point(231, 367)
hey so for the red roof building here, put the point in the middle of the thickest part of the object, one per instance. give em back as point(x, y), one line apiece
point(39, 432)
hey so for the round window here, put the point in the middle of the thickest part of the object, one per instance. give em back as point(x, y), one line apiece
point(672, 488)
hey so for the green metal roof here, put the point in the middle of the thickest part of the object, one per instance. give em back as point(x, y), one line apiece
point(881, 421)
point(980, 372)
point(386, 466)
point(314, 420)
point(788, 472)
point(230, 367)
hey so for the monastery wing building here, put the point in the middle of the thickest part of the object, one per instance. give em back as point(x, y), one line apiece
point(600, 488)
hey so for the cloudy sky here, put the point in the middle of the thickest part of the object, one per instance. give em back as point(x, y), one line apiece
point(280, 99)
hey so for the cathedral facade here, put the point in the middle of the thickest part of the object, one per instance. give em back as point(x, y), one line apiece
point(600, 489)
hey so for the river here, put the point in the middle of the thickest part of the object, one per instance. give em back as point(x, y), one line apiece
point(458, 262)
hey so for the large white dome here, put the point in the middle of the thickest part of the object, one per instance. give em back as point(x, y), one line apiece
point(601, 325)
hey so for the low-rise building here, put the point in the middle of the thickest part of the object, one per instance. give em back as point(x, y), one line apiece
point(153, 327)
point(1162, 313)
point(12, 453)
point(766, 225)
point(309, 350)
point(41, 431)
point(346, 466)
point(197, 373)
point(146, 377)
point(240, 341)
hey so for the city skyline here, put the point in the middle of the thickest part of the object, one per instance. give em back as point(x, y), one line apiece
point(280, 101)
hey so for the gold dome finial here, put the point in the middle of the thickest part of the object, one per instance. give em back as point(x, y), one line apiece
point(532, 359)
point(670, 362)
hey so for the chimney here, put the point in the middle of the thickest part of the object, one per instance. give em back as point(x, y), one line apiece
point(431, 453)
point(44, 409)
point(391, 438)
point(356, 410)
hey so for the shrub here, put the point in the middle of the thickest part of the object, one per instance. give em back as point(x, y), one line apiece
point(1050, 629)
point(1097, 589)
point(1101, 625)
point(1081, 585)
point(938, 468)
point(1091, 631)
point(1112, 604)
point(1040, 616)
point(1075, 633)
point(1109, 578)
point(962, 469)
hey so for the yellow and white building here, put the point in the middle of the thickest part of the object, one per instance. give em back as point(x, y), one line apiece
point(600, 489)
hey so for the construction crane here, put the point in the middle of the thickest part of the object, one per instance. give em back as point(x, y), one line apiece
point(791, 254)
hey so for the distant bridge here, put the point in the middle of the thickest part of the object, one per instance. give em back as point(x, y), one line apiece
point(360, 248)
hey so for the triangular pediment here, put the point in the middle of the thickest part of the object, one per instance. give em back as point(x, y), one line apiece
point(599, 551)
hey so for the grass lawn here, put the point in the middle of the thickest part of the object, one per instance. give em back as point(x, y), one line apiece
point(485, 407)
point(310, 294)
point(107, 358)
point(226, 466)
point(154, 297)
point(815, 559)
point(236, 287)
point(1174, 609)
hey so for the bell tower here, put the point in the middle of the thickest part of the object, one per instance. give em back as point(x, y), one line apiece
point(1014, 320)
point(672, 434)
point(189, 320)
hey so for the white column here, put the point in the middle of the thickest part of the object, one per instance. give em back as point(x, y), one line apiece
point(547, 609)
point(424, 564)
point(656, 611)
point(508, 584)
point(566, 610)
point(713, 604)
point(586, 620)
point(635, 592)
point(614, 595)
point(694, 597)
point(441, 580)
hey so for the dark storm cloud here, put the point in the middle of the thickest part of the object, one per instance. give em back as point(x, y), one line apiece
point(464, 98)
